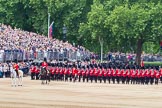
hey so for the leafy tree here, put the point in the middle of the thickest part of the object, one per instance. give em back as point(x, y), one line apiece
point(16, 13)
point(95, 24)
point(137, 23)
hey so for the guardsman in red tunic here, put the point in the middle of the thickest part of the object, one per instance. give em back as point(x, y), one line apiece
point(113, 75)
point(87, 73)
point(76, 74)
point(104, 75)
point(147, 76)
point(91, 74)
point(62, 73)
point(32, 71)
point(100, 75)
point(56, 73)
point(79, 74)
point(131, 75)
point(143, 76)
point(98, 72)
point(138, 76)
point(16, 67)
point(152, 75)
point(66, 74)
point(128, 75)
point(95, 74)
point(44, 64)
point(52, 70)
point(84, 74)
point(73, 73)
point(37, 71)
point(118, 75)
point(59, 73)
point(123, 76)
point(157, 77)
point(109, 75)
point(70, 73)
point(59, 70)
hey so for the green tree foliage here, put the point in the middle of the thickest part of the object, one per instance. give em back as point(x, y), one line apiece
point(137, 23)
point(68, 12)
point(94, 29)
point(32, 15)
point(151, 48)
point(16, 13)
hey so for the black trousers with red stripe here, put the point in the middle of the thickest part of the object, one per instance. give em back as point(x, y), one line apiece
point(104, 79)
point(156, 81)
point(127, 80)
point(32, 75)
point(113, 79)
point(118, 79)
point(109, 79)
point(84, 77)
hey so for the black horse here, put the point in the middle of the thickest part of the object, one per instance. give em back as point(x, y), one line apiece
point(45, 76)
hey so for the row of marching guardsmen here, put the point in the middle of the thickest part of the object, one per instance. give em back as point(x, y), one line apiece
point(114, 75)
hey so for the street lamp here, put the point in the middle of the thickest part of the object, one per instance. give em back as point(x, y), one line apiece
point(64, 33)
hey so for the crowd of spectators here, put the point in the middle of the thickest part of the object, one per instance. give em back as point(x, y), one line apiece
point(128, 57)
point(24, 41)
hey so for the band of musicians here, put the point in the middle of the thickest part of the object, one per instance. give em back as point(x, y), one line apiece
point(99, 73)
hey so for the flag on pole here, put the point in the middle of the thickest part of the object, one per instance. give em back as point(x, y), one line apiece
point(51, 30)
point(160, 44)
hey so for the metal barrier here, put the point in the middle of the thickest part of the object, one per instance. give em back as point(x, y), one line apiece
point(1, 56)
point(59, 55)
point(54, 54)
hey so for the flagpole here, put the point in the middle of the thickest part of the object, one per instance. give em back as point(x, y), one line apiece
point(48, 23)
point(51, 24)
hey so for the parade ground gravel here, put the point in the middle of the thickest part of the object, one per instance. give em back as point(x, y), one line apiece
point(78, 95)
